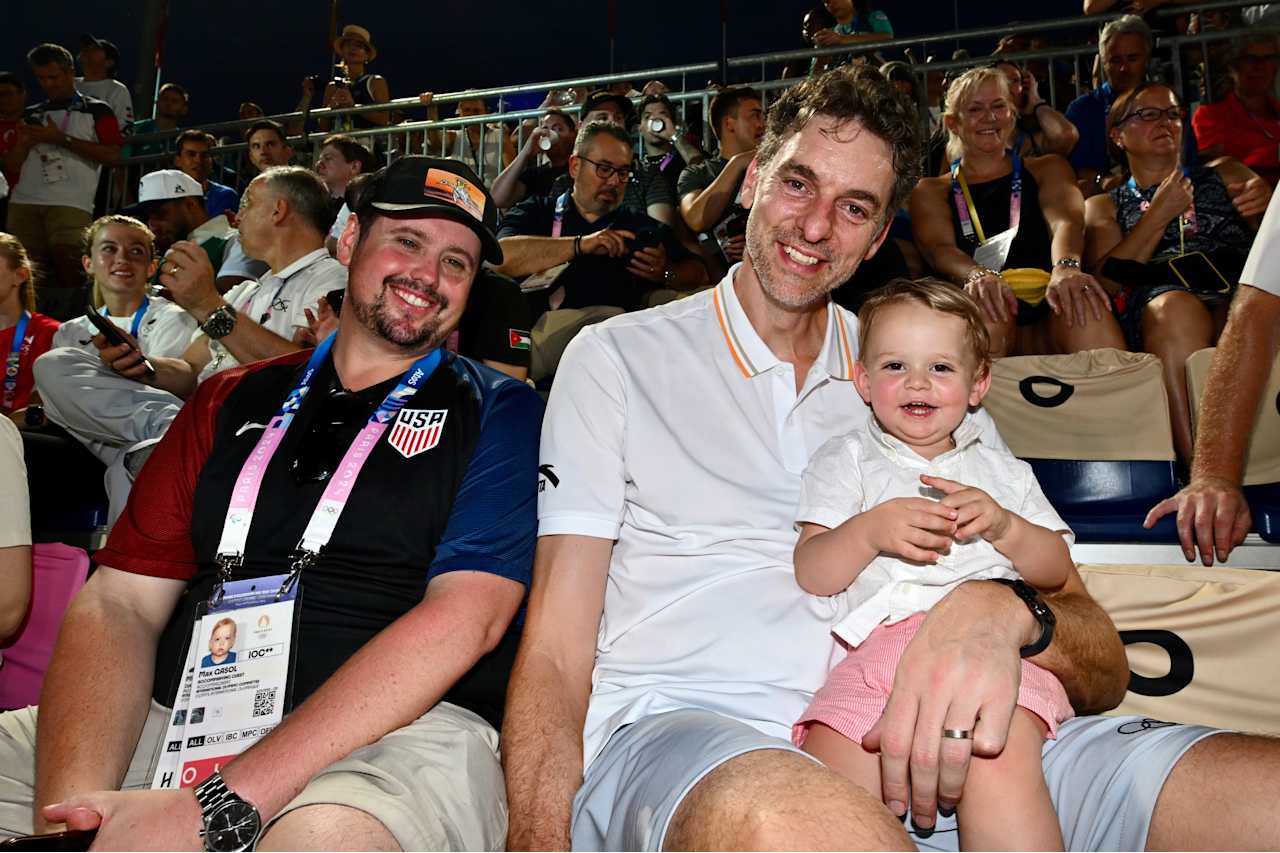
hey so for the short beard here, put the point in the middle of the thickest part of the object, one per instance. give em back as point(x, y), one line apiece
point(759, 251)
point(375, 317)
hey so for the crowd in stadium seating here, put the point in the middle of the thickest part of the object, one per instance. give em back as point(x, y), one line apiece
point(1117, 219)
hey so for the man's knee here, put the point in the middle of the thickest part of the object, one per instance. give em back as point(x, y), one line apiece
point(327, 827)
point(775, 799)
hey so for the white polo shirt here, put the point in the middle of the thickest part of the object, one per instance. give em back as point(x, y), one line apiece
point(278, 302)
point(1262, 269)
point(677, 432)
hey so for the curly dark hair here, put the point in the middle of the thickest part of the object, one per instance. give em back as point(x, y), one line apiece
point(851, 93)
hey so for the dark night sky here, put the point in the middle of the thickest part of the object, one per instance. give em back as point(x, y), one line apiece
point(260, 49)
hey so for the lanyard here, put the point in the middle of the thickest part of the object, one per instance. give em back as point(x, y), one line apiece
point(136, 323)
point(969, 222)
point(324, 519)
point(14, 362)
point(557, 224)
point(266, 315)
point(1187, 223)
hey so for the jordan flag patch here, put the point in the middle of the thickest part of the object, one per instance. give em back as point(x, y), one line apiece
point(519, 339)
point(417, 431)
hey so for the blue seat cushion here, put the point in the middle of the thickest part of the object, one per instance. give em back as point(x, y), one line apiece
point(1264, 503)
point(1107, 501)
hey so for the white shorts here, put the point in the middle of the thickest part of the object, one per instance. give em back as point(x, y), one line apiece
point(1104, 774)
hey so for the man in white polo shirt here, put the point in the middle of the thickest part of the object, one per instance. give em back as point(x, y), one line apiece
point(668, 649)
point(1212, 513)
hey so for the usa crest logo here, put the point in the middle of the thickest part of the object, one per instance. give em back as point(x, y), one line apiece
point(417, 431)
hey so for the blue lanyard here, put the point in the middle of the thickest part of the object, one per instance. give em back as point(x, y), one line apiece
point(13, 363)
point(136, 323)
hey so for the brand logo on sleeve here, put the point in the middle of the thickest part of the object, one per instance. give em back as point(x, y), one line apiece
point(417, 431)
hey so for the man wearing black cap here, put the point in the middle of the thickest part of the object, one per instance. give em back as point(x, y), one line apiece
point(404, 644)
point(99, 61)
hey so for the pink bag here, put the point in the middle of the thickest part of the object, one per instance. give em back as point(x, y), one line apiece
point(58, 573)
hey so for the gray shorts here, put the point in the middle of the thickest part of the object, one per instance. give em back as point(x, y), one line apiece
point(1104, 774)
point(435, 784)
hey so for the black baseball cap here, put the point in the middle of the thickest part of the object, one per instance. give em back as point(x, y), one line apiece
point(436, 186)
point(595, 99)
point(109, 48)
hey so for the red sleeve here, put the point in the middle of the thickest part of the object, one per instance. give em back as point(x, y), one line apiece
point(108, 129)
point(1207, 124)
point(153, 534)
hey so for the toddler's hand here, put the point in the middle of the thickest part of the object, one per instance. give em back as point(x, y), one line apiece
point(977, 512)
point(916, 529)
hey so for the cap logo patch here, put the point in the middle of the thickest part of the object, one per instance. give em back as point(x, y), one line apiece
point(456, 190)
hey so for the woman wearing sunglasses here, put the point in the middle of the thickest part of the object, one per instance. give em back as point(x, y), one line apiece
point(1169, 243)
point(1009, 229)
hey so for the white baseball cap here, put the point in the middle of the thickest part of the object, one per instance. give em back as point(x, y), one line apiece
point(167, 184)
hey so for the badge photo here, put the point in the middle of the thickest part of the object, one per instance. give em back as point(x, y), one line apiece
point(417, 431)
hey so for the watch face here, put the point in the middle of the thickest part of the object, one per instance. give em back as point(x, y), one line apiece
point(233, 826)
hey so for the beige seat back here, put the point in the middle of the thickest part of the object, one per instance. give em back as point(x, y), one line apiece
point(1262, 464)
point(1098, 405)
point(1202, 642)
point(553, 331)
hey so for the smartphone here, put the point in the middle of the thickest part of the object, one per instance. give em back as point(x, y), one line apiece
point(644, 239)
point(72, 839)
point(334, 298)
point(114, 336)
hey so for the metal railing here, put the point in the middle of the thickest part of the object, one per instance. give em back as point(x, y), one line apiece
point(438, 135)
point(413, 103)
point(1091, 22)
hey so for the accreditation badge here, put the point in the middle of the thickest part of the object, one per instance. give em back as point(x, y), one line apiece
point(237, 680)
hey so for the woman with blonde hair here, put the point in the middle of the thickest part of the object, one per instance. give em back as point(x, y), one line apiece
point(24, 334)
point(119, 258)
point(1010, 230)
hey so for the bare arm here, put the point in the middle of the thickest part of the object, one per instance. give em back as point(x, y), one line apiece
point(1211, 510)
point(507, 188)
point(104, 660)
point(828, 559)
point(525, 255)
point(933, 232)
point(1057, 135)
point(391, 681)
point(176, 375)
point(549, 689)
point(702, 210)
point(1062, 205)
point(15, 587)
point(1102, 232)
point(663, 212)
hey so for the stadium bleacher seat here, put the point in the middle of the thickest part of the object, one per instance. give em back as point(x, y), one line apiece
point(1095, 428)
point(1262, 464)
point(68, 499)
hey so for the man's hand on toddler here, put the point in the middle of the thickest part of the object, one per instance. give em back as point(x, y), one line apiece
point(916, 529)
point(977, 512)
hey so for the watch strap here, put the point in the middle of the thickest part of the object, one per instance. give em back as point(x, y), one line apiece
point(220, 322)
point(211, 793)
point(1041, 611)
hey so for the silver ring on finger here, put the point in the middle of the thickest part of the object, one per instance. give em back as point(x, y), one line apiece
point(957, 734)
point(173, 270)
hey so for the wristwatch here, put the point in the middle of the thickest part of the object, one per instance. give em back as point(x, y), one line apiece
point(1039, 610)
point(220, 322)
point(230, 823)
